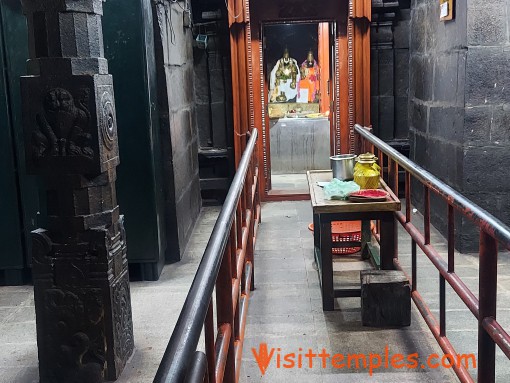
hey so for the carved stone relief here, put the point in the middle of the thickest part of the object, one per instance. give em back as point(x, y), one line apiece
point(63, 126)
point(75, 334)
point(107, 121)
point(123, 330)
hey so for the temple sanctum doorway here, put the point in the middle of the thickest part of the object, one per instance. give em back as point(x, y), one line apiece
point(301, 75)
point(297, 67)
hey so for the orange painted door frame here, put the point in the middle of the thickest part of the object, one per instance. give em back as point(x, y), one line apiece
point(238, 18)
point(325, 73)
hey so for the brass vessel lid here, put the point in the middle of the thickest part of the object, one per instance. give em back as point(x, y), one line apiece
point(367, 158)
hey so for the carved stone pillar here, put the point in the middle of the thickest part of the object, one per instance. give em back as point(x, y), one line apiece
point(81, 283)
point(389, 68)
point(383, 82)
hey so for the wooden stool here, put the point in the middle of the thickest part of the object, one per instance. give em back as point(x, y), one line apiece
point(385, 298)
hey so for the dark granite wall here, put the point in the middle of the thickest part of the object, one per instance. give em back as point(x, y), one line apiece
point(213, 97)
point(174, 60)
point(436, 92)
point(459, 110)
point(213, 90)
point(401, 47)
point(213, 84)
point(486, 176)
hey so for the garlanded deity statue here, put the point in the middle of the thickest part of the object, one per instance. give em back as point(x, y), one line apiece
point(285, 78)
point(310, 78)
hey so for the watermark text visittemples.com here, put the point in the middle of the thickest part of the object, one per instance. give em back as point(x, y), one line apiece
point(274, 357)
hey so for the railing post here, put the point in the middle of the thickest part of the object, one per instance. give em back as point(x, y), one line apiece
point(488, 274)
point(395, 178)
point(426, 214)
point(414, 271)
point(392, 177)
point(232, 245)
point(225, 309)
point(239, 226)
point(244, 205)
point(451, 239)
point(210, 351)
point(234, 260)
point(442, 306)
point(379, 156)
point(257, 184)
point(251, 227)
point(408, 196)
point(359, 144)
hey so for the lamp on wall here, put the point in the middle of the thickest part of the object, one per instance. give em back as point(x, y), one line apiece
point(201, 41)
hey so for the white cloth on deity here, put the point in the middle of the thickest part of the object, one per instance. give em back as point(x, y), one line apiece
point(284, 85)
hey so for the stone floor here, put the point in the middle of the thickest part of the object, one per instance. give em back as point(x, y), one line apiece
point(285, 311)
point(156, 308)
point(292, 182)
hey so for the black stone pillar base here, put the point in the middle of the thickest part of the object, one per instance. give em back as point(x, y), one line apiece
point(83, 307)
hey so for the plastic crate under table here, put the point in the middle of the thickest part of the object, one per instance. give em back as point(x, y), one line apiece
point(344, 231)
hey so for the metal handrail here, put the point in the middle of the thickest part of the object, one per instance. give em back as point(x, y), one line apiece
point(198, 368)
point(186, 335)
point(492, 231)
point(482, 218)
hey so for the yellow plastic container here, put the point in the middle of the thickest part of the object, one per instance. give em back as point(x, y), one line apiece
point(366, 171)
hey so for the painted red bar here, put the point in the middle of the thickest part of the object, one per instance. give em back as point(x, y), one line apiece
point(492, 230)
point(222, 350)
point(498, 333)
point(395, 177)
point(244, 302)
point(453, 279)
point(239, 225)
point(431, 321)
point(442, 306)
point(414, 283)
point(408, 197)
point(426, 214)
point(488, 272)
point(451, 239)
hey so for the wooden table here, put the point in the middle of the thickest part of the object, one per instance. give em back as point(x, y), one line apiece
point(326, 211)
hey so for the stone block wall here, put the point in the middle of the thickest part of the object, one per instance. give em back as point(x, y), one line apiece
point(458, 109)
point(179, 135)
point(213, 91)
point(213, 96)
point(486, 177)
point(213, 76)
point(401, 46)
point(436, 91)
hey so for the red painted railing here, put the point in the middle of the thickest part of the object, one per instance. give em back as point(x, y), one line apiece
point(227, 265)
point(492, 232)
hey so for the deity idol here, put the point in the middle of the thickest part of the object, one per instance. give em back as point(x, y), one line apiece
point(310, 78)
point(284, 79)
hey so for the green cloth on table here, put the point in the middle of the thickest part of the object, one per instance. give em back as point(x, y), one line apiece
point(340, 190)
